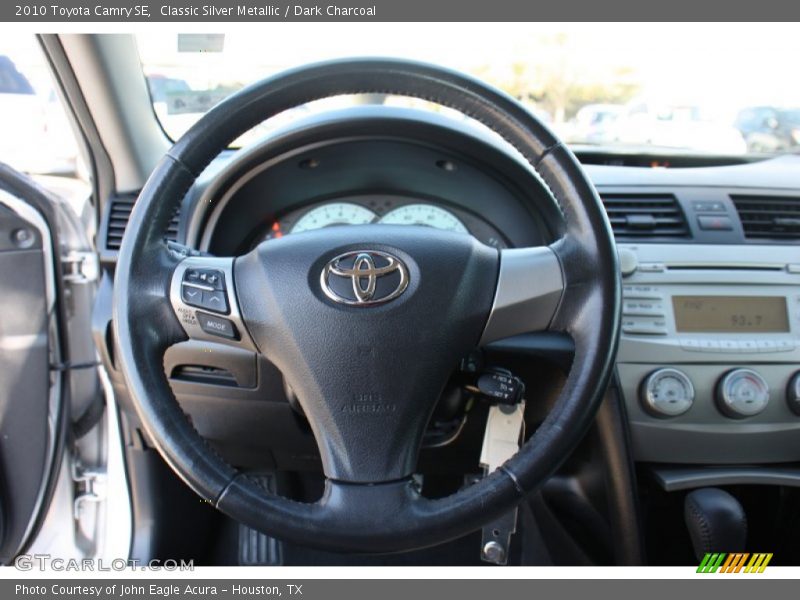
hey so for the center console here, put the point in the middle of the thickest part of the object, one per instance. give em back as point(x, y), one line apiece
point(709, 358)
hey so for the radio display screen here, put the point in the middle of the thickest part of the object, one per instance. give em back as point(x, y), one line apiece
point(730, 314)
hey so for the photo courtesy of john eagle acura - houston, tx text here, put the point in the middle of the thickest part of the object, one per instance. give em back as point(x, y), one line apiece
point(397, 294)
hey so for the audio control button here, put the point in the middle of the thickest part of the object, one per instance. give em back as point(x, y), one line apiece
point(636, 308)
point(216, 301)
point(218, 326)
point(748, 346)
point(641, 329)
point(641, 292)
point(766, 346)
point(729, 346)
point(191, 295)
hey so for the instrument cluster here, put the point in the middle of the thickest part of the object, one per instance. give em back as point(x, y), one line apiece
point(382, 209)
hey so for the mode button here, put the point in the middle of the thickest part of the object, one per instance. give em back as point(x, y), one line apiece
point(214, 325)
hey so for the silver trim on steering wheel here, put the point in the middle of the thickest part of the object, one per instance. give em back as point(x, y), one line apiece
point(529, 289)
point(189, 315)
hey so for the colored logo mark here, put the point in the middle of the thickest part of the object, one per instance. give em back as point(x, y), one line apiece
point(734, 562)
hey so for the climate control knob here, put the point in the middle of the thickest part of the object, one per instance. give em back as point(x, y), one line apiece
point(742, 393)
point(667, 393)
point(793, 393)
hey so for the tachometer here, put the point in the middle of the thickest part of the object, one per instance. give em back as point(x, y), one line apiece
point(424, 214)
point(335, 213)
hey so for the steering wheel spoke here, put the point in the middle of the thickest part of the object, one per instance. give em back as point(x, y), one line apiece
point(203, 296)
point(529, 289)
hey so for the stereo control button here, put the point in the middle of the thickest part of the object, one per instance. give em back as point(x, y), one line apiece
point(691, 345)
point(644, 330)
point(639, 308)
point(212, 279)
point(192, 296)
point(729, 346)
point(710, 346)
point(644, 292)
point(216, 301)
point(748, 346)
point(218, 326)
point(766, 346)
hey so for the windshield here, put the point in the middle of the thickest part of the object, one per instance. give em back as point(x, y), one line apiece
point(694, 88)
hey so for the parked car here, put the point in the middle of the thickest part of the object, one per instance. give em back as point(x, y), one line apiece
point(676, 125)
point(769, 129)
point(594, 124)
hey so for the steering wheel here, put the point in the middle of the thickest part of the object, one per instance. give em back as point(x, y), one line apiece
point(367, 323)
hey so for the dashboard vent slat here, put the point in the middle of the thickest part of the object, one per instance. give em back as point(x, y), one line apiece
point(769, 217)
point(119, 213)
point(643, 216)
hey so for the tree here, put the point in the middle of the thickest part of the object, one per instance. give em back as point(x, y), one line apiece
point(560, 77)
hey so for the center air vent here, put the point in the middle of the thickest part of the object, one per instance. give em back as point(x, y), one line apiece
point(119, 213)
point(641, 216)
point(769, 217)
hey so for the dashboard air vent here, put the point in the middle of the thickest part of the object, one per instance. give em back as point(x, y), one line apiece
point(642, 216)
point(769, 217)
point(120, 213)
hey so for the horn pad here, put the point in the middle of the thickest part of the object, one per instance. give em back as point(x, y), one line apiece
point(367, 323)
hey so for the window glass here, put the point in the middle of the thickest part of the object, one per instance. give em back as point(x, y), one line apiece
point(35, 134)
point(628, 85)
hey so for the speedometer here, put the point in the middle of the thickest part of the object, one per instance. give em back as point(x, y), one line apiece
point(335, 213)
point(424, 214)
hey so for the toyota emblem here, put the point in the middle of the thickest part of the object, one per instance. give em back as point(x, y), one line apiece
point(364, 278)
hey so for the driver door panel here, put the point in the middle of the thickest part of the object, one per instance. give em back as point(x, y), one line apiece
point(25, 380)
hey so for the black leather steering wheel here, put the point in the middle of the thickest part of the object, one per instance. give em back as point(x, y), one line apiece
point(366, 358)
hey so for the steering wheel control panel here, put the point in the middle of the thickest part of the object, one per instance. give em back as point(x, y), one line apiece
point(205, 288)
point(203, 298)
point(709, 364)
